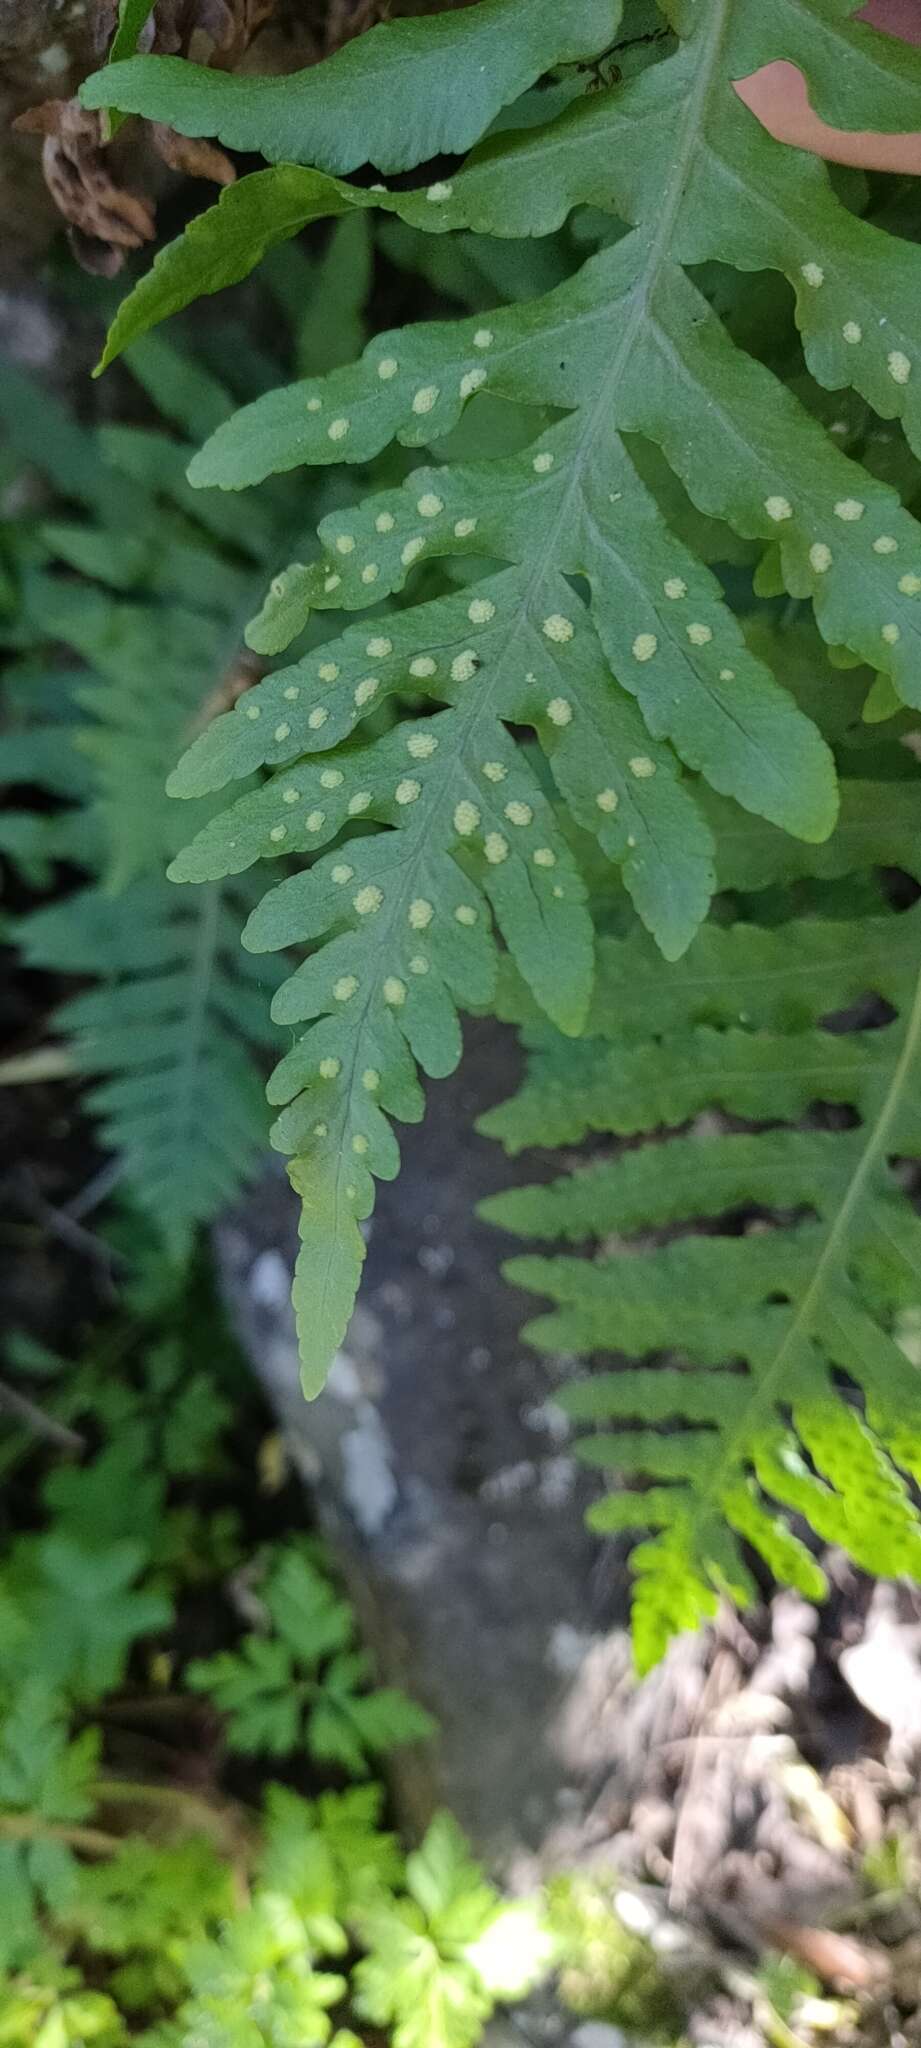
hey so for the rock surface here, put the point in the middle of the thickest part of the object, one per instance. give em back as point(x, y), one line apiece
point(443, 1475)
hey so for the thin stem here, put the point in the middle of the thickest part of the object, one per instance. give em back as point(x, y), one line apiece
point(28, 1412)
point(30, 1827)
point(776, 2030)
point(46, 1063)
point(226, 1823)
point(164, 1703)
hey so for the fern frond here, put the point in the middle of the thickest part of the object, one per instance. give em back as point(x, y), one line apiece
point(172, 1017)
point(769, 1026)
point(601, 630)
point(164, 1033)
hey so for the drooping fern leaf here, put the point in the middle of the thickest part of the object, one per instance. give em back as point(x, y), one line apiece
point(394, 97)
point(603, 633)
point(785, 1247)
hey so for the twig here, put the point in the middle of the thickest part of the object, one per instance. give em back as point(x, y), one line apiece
point(690, 1790)
point(775, 2029)
point(154, 1705)
point(35, 1418)
point(70, 1232)
point(29, 1827)
point(46, 1063)
point(225, 1824)
point(96, 1189)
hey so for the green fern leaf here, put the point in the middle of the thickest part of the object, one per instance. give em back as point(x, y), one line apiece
point(224, 244)
point(176, 1094)
point(454, 784)
point(149, 1897)
point(394, 97)
point(347, 1727)
point(328, 1854)
point(256, 1982)
point(256, 1689)
point(603, 632)
point(750, 1023)
point(169, 1026)
point(364, 1858)
point(43, 1771)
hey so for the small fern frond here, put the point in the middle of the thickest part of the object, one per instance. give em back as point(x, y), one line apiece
point(172, 1019)
point(786, 1253)
point(164, 1035)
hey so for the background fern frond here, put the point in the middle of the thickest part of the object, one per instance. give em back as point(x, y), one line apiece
point(166, 1034)
point(172, 1018)
point(765, 1270)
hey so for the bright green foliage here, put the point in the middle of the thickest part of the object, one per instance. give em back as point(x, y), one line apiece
point(150, 1894)
point(340, 1834)
point(438, 1959)
point(74, 1612)
point(585, 612)
point(222, 1926)
point(780, 1028)
point(303, 1682)
point(256, 1984)
point(139, 1908)
point(662, 422)
point(45, 1778)
point(50, 2008)
point(439, 1954)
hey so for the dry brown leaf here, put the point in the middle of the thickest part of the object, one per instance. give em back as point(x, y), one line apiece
point(245, 670)
point(208, 31)
point(834, 1958)
point(347, 19)
point(104, 22)
point(193, 157)
point(104, 218)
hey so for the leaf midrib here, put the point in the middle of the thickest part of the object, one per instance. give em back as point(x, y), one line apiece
point(734, 1444)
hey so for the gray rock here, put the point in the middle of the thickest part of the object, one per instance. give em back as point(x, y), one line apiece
point(439, 1470)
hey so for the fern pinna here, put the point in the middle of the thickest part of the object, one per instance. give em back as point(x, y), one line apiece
point(576, 607)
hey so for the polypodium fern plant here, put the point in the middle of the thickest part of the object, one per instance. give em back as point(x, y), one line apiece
point(583, 615)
